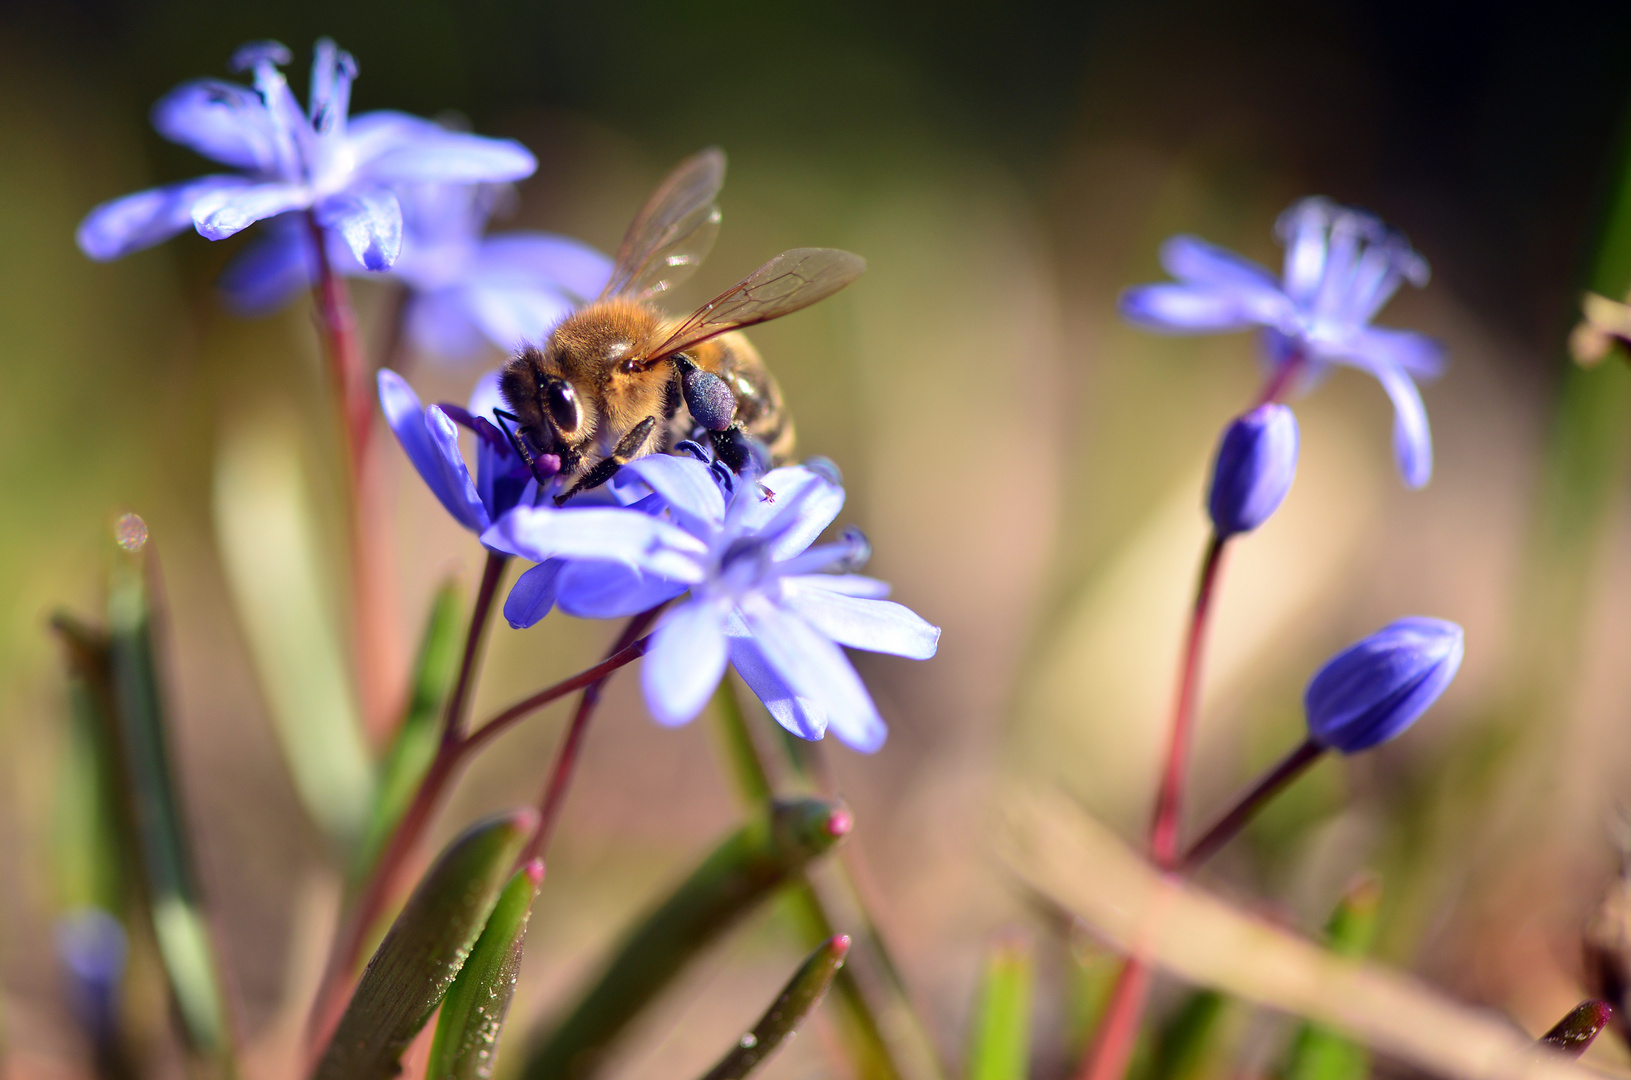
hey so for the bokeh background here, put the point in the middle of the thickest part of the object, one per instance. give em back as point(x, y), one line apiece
point(1027, 467)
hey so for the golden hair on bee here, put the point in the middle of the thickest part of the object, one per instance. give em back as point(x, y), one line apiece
point(618, 379)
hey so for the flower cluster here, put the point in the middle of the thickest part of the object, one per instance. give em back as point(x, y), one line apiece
point(386, 192)
point(1341, 266)
point(737, 551)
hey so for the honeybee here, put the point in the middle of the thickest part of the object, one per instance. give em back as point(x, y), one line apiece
point(619, 379)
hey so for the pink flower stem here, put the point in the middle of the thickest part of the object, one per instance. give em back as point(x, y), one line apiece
point(566, 761)
point(376, 647)
point(1112, 1047)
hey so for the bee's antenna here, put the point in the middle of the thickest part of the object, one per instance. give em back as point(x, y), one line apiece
point(533, 466)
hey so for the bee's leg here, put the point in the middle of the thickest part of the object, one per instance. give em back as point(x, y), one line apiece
point(627, 449)
point(736, 448)
point(711, 402)
point(519, 446)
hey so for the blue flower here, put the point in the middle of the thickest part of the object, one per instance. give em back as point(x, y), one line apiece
point(1341, 266)
point(92, 947)
point(466, 289)
point(1255, 464)
point(757, 596)
point(341, 168)
point(1373, 690)
point(430, 437)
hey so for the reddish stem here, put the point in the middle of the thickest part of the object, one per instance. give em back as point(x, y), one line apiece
point(566, 761)
point(1113, 1043)
point(453, 717)
point(1169, 799)
point(1279, 383)
point(373, 619)
point(1245, 808)
point(347, 363)
point(384, 881)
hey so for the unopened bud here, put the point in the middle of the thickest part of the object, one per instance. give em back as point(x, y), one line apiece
point(1256, 461)
point(1373, 690)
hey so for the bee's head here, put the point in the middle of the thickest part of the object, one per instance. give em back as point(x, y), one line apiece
point(553, 411)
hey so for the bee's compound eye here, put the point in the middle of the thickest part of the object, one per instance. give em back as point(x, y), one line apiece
point(562, 401)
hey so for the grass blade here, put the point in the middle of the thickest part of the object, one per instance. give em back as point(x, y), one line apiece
point(1317, 1052)
point(801, 994)
point(473, 1012)
point(1000, 1040)
point(424, 950)
point(743, 871)
point(168, 876)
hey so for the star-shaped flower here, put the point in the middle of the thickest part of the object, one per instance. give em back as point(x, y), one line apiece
point(758, 595)
point(341, 168)
point(1341, 266)
point(466, 289)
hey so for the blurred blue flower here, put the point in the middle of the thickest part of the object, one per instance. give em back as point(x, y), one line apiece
point(465, 289)
point(1373, 690)
point(92, 947)
point(1341, 266)
point(341, 168)
point(758, 598)
point(430, 438)
point(1255, 464)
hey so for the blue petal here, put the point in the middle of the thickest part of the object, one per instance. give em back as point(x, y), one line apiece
point(848, 585)
point(120, 226)
point(612, 590)
point(1302, 228)
point(873, 625)
point(485, 396)
point(411, 423)
point(803, 716)
point(456, 478)
point(801, 505)
point(532, 595)
point(814, 667)
point(267, 274)
point(688, 487)
point(1412, 438)
point(223, 121)
point(428, 154)
point(370, 221)
point(224, 213)
point(1375, 689)
point(1256, 462)
point(439, 325)
point(1418, 354)
point(576, 268)
point(1194, 309)
point(601, 534)
point(1191, 259)
point(684, 664)
point(513, 316)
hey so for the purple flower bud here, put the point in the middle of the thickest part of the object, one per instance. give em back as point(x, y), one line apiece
point(1256, 461)
point(1373, 690)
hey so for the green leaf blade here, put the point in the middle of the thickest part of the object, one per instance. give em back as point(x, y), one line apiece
point(801, 995)
point(424, 950)
point(1000, 1044)
point(473, 1011)
point(743, 871)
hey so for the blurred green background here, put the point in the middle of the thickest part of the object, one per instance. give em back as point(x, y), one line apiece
point(1027, 468)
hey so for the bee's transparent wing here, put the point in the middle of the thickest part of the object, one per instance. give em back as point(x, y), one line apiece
point(673, 231)
point(792, 280)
